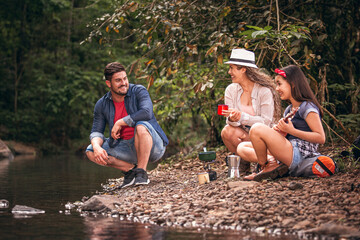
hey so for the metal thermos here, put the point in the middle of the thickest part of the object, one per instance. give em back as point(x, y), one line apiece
point(233, 162)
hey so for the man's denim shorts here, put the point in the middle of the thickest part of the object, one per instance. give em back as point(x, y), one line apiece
point(125, 149)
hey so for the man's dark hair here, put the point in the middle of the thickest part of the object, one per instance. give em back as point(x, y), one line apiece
point(113, 68)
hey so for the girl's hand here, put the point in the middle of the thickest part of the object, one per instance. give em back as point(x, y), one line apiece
point(286, 127)
point(279, 131)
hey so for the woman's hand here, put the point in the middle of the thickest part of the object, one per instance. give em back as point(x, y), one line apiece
point(226, 113)
point(233, 114)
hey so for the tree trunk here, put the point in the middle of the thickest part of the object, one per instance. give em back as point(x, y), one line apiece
point(68, 39)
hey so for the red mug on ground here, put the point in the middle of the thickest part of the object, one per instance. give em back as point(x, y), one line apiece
point(222, 107)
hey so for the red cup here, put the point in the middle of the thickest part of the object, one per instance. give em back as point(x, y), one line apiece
point(222, 107)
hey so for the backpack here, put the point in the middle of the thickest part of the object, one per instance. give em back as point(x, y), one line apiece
point(317, 166)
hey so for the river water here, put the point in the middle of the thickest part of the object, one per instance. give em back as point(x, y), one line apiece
point(48, 183)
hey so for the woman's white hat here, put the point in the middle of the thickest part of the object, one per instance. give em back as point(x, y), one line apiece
point(242, 57)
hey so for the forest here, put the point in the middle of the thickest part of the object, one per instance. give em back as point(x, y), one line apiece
point(53, 53)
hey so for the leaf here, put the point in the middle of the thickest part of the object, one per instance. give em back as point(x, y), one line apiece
point(197, 87)
point(149, 62)
point(116, 30)
point(258, 33)
point(149, 40)
point(298, 35)
point(203, 87)
point(274, 56)
point(133, 6)
point(246, 33)
point(226, 11)
point(322, 37)
point(211, 50)
point(150, 82)
point(142, 77)
point(294, 51)
point(107, 29)
point(168, 72)
point(220, 59)
point(254, 27)
point(148, 31)
point(268, 28)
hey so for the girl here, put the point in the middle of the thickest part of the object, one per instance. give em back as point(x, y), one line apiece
point(290, 141)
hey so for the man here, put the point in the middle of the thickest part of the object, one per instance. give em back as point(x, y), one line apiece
point(135, 136)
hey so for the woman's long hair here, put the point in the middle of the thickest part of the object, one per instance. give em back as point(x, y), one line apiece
point(300, 88)
point(261, 78)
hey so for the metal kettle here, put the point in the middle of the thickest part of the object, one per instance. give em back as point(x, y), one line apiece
point(233, 163)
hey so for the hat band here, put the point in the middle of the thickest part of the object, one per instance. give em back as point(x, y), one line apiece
point(242, 60)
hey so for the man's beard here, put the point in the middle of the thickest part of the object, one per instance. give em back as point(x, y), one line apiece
point(118, 92)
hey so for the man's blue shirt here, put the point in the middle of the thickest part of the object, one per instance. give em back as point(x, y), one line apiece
point(138, 105)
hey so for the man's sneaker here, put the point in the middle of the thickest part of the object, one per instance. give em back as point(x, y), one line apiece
point(141, 177)
point(129, 178)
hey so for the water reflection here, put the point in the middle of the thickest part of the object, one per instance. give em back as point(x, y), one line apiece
point(4, 164)
point(112, 228)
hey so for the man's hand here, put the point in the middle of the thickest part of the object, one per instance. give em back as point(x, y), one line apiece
point(115, 131)
point(101, 156)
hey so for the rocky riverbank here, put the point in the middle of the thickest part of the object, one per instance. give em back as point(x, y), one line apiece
point(326, 206)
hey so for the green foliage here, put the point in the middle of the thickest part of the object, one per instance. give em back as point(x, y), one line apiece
point(52, 83)
point(183, 46)
point(51, 66)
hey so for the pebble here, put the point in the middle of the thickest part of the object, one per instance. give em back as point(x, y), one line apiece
point(286, 205)
point(4, 203)
point(295, 186)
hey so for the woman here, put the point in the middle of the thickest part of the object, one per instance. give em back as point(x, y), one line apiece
point(251, 99)
point(292, 141)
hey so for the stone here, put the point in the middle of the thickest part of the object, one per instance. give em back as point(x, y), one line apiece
point(295, 186)
point(25, 210)
point(303, 225)
point(5, 152)
point(239, 185)
point(20, 148)
point(287, 221)
point(101, 203)
point(336, 230)
point(331, 216)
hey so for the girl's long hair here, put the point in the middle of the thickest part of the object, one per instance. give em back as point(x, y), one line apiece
point(300, 88)
point(261, 78)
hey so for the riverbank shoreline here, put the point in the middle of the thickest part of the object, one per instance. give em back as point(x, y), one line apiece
point(174, 198)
